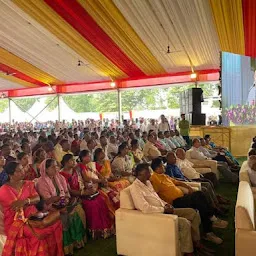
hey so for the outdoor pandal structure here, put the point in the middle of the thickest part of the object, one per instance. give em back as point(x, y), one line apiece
point(184, 77)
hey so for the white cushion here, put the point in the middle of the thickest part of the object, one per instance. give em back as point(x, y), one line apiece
point(243, 174)
point(244, 216)
point(126, 201)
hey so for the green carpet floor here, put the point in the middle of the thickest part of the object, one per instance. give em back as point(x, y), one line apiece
point(108, 247)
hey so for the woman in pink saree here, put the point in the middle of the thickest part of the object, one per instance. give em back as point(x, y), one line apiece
point(98, 219)
point(18, 199)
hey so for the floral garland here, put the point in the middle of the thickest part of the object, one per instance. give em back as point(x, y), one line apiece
point(241, 114)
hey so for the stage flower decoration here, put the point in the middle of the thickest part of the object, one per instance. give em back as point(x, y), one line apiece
point(242, 114)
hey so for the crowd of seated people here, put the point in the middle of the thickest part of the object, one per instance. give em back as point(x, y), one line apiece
point(60, 187)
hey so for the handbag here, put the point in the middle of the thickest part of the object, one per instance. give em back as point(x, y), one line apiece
point(49, 220)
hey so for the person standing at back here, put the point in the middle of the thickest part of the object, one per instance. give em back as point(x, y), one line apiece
point(184, 128)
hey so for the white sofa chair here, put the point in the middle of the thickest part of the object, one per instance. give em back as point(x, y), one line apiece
point(243, 176)
point(245, 221)
point(139, 234)
point(204, 166)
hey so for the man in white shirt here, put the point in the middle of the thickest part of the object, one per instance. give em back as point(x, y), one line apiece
point(163, 126)
point(147, 200)
point(152, 126)
point(142, 126)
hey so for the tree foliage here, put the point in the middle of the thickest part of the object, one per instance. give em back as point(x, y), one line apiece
point(135, 99)
point(3, 105)
point(24, 104)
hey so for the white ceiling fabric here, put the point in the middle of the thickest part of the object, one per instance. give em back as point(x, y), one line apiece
point(27, 39)
point(153, 21)
point(8, 85)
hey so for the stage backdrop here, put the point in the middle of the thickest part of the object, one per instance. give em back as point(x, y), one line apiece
point(238, 89)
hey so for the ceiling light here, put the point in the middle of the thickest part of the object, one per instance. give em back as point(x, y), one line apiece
point(113, 84)
point(193, 75)
point(50, 88)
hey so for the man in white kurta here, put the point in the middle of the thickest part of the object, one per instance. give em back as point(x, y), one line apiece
point(147, 200)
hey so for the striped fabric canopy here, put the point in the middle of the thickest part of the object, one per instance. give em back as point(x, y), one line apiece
point(83, 45)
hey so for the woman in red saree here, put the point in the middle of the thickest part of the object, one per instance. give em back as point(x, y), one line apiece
point(90, 174)
point(98, 219)
point(30, 173)
point(104, 168)
point(18, 199)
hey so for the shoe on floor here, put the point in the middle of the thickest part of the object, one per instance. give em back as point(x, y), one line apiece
point(219, 223)
point(213, 238)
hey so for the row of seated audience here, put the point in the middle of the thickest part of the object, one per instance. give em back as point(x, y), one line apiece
point(73, 187)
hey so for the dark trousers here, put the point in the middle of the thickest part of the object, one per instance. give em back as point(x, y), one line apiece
point(198, 201)
point(186, 138)
point(211, 176)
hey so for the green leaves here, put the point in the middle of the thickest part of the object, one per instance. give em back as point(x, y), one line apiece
point(134, 99)
point(24, 104)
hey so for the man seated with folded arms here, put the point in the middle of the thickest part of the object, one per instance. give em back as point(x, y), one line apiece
point(222, 167)
point(167, 189)
point(146, 200)
point(173, 171)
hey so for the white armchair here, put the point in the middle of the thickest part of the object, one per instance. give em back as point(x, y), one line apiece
point(245, 221)
point(140, 234)
point(244, 176)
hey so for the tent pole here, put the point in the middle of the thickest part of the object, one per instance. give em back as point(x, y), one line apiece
point(59, 110)
point(119, 95)
point(10, 112)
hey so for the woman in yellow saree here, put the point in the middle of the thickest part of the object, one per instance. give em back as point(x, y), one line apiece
point(104, 168)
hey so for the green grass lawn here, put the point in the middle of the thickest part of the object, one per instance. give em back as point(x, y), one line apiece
point(108, 247)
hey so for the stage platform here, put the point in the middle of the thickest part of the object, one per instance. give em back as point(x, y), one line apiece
point(236, 138)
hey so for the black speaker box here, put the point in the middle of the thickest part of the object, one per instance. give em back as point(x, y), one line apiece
point(196, 119)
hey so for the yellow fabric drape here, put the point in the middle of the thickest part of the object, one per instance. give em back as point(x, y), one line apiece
point(26, 68)
point(48, 18)
point(111, 20)
point(228, 17)
point(17, 80)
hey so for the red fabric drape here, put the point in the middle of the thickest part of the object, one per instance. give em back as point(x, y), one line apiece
point(78, 18)
point(249, 18)
point(20, 75)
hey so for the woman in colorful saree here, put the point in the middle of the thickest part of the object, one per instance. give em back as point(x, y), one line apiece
point(98, 219)
point(30, 173)
point(104, 168)
point(52, 187)
point(18, 199)
point(122, 164)
point(90, 174)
